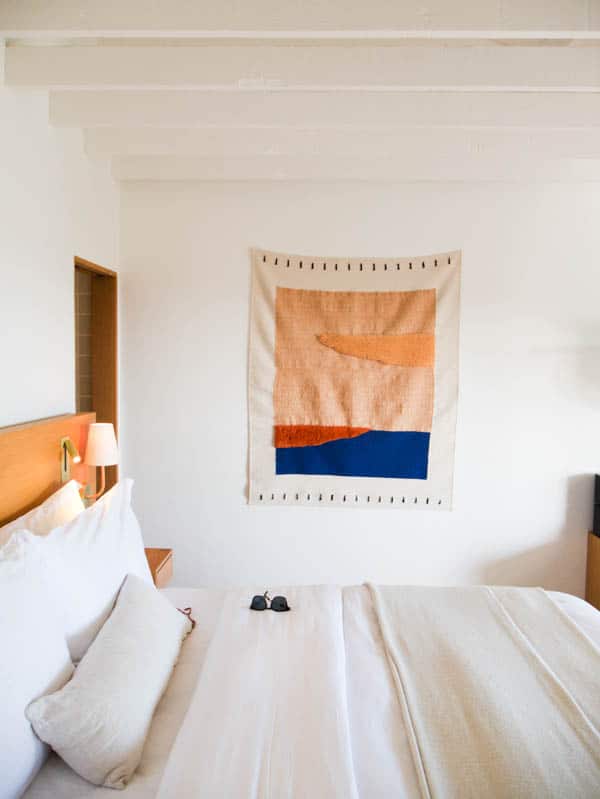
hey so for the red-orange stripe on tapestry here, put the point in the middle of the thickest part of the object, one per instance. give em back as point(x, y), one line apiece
point(409, 349)
point(308, 435)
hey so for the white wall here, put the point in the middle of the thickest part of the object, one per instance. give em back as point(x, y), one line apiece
point(529, 413)
point(54, 204)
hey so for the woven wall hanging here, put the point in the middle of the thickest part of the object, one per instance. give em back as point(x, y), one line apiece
point(353, 380)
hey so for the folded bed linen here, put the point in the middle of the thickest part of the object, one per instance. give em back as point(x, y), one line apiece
point(498, 690)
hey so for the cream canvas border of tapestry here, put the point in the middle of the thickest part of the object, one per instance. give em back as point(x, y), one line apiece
point(441, 272)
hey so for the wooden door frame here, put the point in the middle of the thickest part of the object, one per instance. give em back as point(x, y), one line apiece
point(105, 367)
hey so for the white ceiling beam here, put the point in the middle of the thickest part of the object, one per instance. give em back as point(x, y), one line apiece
point(498, 38)
point(335, 143)
point(190, 108)
point(305, 67)
point(431, 169)
point(277, 15)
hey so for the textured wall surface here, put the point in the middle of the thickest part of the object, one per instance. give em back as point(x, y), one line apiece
point(528, 432)
point(54, 204)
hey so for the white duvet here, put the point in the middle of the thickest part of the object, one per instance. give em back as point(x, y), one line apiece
point(221, 730)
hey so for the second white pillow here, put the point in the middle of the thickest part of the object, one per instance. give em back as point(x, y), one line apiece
point(85, 562)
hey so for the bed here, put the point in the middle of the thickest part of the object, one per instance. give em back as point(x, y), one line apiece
point(381, 756)
point(345, 697)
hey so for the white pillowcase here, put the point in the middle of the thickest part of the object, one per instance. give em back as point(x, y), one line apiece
point(34, 659)
point(99, 721)
point(60, 508)
point(85, 562)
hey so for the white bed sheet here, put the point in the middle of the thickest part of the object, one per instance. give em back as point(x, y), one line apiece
point(382, 761)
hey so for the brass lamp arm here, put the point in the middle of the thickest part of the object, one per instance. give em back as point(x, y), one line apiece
point(102, 485)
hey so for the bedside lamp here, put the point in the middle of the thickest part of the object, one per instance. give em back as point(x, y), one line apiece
point(101, 451)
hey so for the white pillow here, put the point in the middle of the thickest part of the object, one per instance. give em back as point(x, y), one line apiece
point(99, 721)
point(60, 508)
point(85, 562)
point(34, 659)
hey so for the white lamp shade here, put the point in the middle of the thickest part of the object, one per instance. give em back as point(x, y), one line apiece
point(101, 447)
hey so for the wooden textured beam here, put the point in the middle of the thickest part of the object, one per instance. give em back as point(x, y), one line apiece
point(273, 15)
point(323, 109)
point(300, 67)
point(454, 142)
point(430, 168)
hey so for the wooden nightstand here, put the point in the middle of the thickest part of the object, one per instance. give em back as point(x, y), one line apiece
point(161, 565)
point(592, 572)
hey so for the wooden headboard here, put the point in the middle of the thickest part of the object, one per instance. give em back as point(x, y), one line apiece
point(30, 461)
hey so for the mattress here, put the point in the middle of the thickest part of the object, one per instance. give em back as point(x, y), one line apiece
point(382, 760)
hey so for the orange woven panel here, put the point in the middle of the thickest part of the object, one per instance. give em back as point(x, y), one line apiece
point(411, 349)
point(302, 435)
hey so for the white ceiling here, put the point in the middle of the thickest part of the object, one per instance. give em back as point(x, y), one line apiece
point(316, 90)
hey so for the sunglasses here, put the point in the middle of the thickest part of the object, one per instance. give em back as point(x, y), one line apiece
point(264, 602)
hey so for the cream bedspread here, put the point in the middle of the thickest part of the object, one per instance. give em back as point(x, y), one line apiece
point(499, 691)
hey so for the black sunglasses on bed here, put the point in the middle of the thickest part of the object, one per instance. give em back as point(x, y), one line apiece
point(264, 602)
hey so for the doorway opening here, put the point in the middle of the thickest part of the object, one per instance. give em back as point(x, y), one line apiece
point(96, 345)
